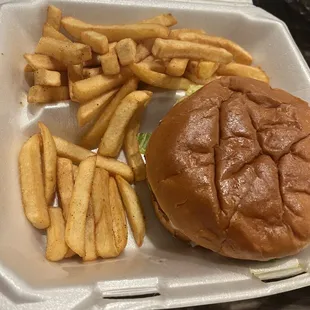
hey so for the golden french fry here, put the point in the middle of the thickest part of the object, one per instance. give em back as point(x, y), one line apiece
point(202, 69)
point(239, 54)
point(167, 20)
point(37, 61)
point(90, 241)
point(119, 223)
point(144, 49)
point(75, 172)
point(112, 46)
point(50, 32)
point(49, 163)
point(31, 182)
point(174, 33)
point(98, 42)
point(133, 209)
point(159, 79)
point(75, 73)
point(195, 51)
point(177, 66)
point(153, 64)
point(192, 77)
point(114, 33)
point(53, 16)
point(93, 62)
point(66, 52)
point(109, 64)
point(77, 154)
point(47, 94)
point(243, 70)
point(92, 109)
point(56, 247)
point(113, 137)
point(76, 221)
point(47, 78)
point(126, 50)
point(89, 72)
point(93, 136)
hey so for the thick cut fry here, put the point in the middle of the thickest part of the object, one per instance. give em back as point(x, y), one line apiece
point(99, 194)
point(119, 223)
point(202, 69)
point(243, 70)
point(77, 154)
point(53, 16)
point(56, 247)
point(64, 183)
point(159, 79)
point(75, 73)
point(76, 221)
point(93, 87)
point(112, 46)
point(239, 54)
point(98, 42)
point(90, 241)
point(66, 52)
point(47, 94)
point(144, 49)
point(109, 64)
point(92, 109)
point(93, 62)
point(115, 33)
point(177, 66)
point(50, 32)
point(31, 182)
point(192, 77)
point(126, 51)
point(133, 209)
point(49, 163)
point(113, 137)
point(153, 64)
point(47, 78)
point(89, 72)
point(37, 61)
point(167, 20)
point(93, 136)
point(174, 33)
point(195, 51)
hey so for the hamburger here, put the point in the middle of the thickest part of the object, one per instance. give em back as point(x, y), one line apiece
point(229, 168)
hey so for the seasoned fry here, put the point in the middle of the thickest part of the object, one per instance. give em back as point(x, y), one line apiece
point(177, 66)
point(56, 247)
point(76, 221)
point(89, 72)
point(37, 61)
point(75, 172)
point(92, 109)
point(153, 64)
point(93, 136)
point(49, 163)
point(66, 52)
point(113, 137)
point(159, 79)
point(167, 20)
point(195, 51)
point(243, 70)
point(98, 42)
point(144, 49)
point(126, 51)
point(53, 16)
point(239, 54)
point(115, 33)
point(196, 80)
point(133, 209)
point(47, 77)
point(93, 62)
point(174, 33)
point(75, 73)
point(90, 241)
point(109, 64)
point(31, 182)
point(50, 32)
point(202, 69)
point(77, 154)
point(47, 94)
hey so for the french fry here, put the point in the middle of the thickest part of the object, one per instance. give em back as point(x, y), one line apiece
point(98, 42)
point(50, 32)
point(93, 136)
point(93, 87)
point(53, 16)
point(77, 154)
point(37, 61)
point(239, 54)
point(202, 69)
point(153, 64)
point(174, 33)
point(159, 79)
point(109, 64)
point(116, 33)
point(167, 20)
point(76, 221)
point(126, 51)
point(119, 223)
point(47, 94)
point(49, 163)
point(56, 247)
point(177, 66)
point(93, 62)
point(194, 51)
point(75, 172)
point(112, 46)
point(113, 137)
point(47, 78)
point(133, 209)
point(89, 72)
point(92, 109)
point(75, 73)
point(66, 52)
point(144, 49)
point(192, 77)
point(31, 182)
point(90, 241)
point(243, 70)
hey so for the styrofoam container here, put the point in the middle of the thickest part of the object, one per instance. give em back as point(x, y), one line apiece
point(165, 272)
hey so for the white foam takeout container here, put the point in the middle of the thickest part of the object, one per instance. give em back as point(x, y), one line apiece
point(165, 272)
